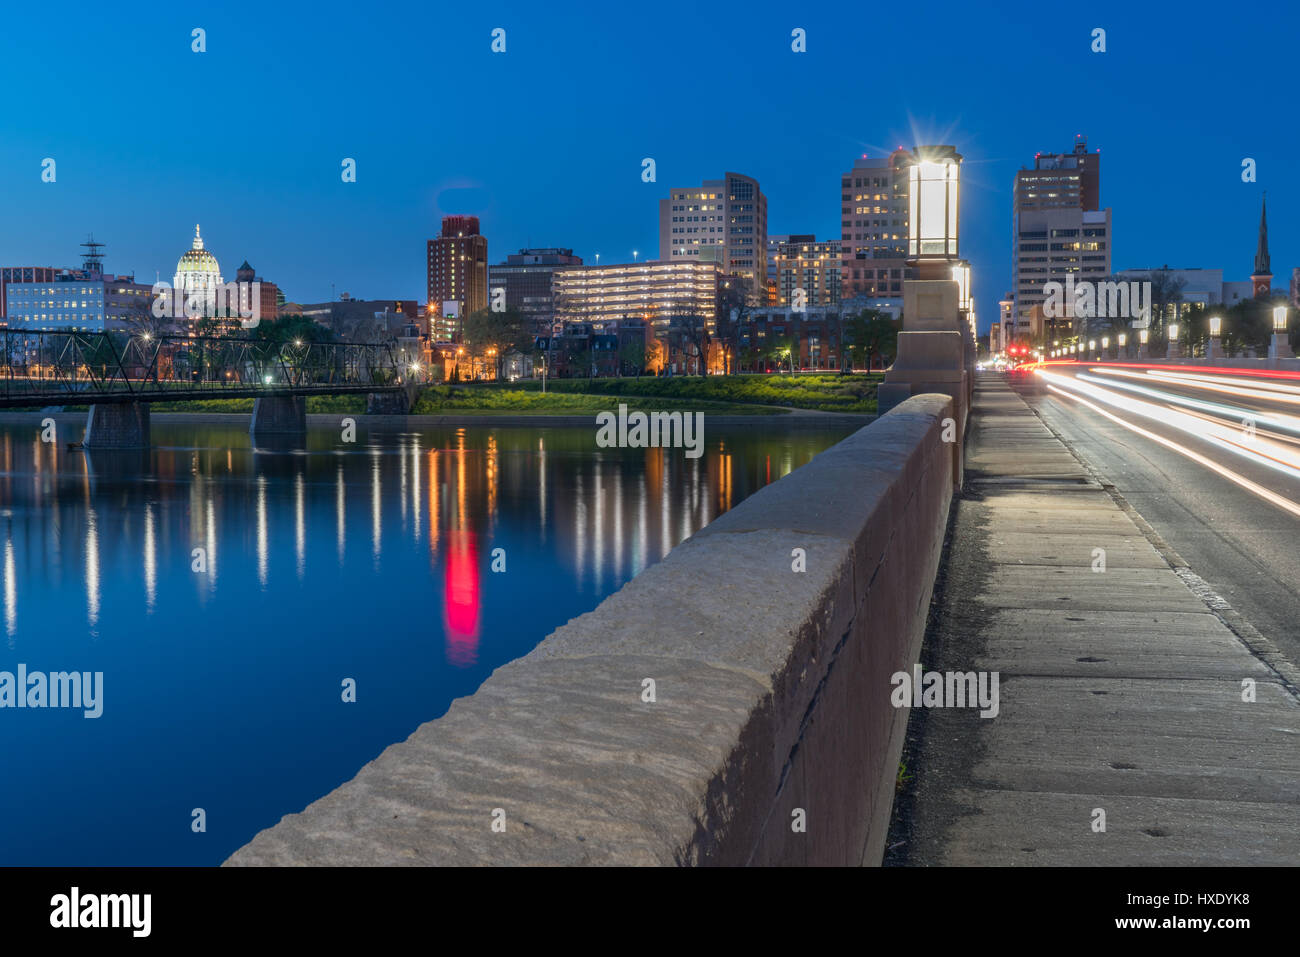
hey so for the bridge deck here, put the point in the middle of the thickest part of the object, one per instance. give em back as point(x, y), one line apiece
point(1120, 690)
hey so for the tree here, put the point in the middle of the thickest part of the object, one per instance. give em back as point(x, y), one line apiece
point(632, 353)
point(497, 332)
point(734, 311)
point(695, 332)
point(1166, 291)
point(871, 333)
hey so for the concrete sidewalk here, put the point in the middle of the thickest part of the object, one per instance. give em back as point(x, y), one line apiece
point(1121, 690)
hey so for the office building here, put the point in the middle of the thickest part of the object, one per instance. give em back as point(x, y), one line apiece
point(805, 264)
point(651, 291)
point(526, 279)
point(722, 221)
point(457, 273)
point(1058, 230)
point(873, 226)
point(26, 274)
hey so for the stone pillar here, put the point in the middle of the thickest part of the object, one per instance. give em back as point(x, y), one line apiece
point(1280, 347)
point(393, 402)
point(279, 413)
point(117, 425)
point(932, 355)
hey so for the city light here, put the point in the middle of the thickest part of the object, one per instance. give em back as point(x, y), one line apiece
point(1173, 331)
point(1216, 326)
point(1279, 319)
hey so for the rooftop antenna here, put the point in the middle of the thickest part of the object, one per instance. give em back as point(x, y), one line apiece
point(92, 260)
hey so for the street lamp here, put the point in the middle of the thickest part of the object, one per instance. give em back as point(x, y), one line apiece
point(1105, 347)
point(1280, 347)
point(1174, 350)
point(1215, 350)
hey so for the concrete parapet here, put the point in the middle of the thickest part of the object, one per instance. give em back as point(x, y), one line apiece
point(117, 425)
point(770, 637)
point(279, 413)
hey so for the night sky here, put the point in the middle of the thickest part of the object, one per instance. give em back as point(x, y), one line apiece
point(545, 141)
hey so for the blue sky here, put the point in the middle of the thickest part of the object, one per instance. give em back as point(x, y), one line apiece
point(545, 141)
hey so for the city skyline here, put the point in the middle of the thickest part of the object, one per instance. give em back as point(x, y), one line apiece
point(285, 208)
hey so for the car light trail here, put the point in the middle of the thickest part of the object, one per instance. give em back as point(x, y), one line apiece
point(1279, 458)
point(1266, 494)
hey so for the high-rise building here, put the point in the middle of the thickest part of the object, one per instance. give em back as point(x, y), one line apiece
point(773, 242)
point(653, 292)
point(873, 226)
point(526, 279)
point(10, 274)
point(1058, 230)
point(457, 273)
point(722, 221)
point(811, 266)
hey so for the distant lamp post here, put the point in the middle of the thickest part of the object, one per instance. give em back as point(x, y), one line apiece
point(1123, 344)
point(1214, 350)
point(1105, 347)
point(1175, 348)
point(1280, 347)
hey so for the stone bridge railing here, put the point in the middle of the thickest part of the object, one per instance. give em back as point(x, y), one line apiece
point(724, 707)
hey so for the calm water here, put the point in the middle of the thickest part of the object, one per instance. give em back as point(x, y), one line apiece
point(222, 687)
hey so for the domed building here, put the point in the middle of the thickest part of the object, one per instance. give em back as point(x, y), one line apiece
point(198, 276)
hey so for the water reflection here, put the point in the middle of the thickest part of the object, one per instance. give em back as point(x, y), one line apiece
point(225, 590)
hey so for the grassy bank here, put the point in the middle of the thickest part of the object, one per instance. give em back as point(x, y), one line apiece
point(734, 395)
point(827, 392)
point(487, 400)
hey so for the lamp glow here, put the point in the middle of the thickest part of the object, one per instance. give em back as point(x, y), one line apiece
point(1143, 336)
point(1173, 331)
point(1279, 319)
point(1216, 326)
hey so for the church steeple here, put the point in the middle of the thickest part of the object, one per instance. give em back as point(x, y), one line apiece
point(1262, 277)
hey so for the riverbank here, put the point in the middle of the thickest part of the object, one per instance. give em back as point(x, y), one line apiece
point(795, 419)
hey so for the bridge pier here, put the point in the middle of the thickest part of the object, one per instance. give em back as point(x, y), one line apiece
point(396, 402)
point(278, 413)
point(117, 425)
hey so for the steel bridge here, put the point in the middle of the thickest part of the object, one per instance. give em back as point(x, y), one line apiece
point(79, 368)
point(118, 375)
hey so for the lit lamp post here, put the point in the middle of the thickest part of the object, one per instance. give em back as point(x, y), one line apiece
point(1144, 335)
point(1280, 347)
point(1214, 350)
point(932, 205)
point(1105, 347)
point(1175, 348)
point(1092, 347)
point(1123, 344)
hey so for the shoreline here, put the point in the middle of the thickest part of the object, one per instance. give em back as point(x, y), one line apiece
point(796, 418)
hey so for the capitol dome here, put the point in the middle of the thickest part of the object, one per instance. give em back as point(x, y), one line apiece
point(197, 272)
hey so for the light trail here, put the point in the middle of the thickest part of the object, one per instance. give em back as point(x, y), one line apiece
point(1279, 458)
point(1266, 494)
